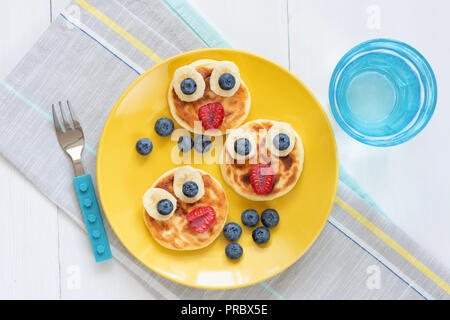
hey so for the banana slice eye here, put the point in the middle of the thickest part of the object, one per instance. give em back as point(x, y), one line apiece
point(241, 144)
point(188, 84)
point(188, 184)
point(159, 203)
point(225, 79)
point(281, 139)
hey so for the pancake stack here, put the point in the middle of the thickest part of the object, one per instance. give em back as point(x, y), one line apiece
point(287, 168)
point(236, 103)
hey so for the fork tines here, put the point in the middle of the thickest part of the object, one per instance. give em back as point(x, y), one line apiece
point(66, 125)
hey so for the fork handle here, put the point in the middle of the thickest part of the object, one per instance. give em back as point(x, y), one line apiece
point(92, 217)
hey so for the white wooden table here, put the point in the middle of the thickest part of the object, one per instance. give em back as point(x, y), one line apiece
point(45, 255)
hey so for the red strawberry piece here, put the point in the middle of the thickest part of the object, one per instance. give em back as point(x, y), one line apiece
point(201, 218)
point(261, 178)
point(211, 115)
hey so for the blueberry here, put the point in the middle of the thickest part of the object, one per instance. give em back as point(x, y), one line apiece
point(281, 141)
point(227, 81)
point(202, 143)
point(144, 146)
point(188, 86)
point(242, 146)
point(190, 189)
point(261, 235)
point(164, 207)
point(185, 143)
point(232, 231)
point(250, 217)
point(270, 218)
point(164, 127)
point(233, 250)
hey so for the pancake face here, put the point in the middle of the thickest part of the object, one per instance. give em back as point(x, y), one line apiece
point(235, 107)
point(176, 233)
point(287, 168)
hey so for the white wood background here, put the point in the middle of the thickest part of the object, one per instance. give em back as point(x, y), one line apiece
point(45, 255)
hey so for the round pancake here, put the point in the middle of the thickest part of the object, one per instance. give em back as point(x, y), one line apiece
point(287, 169)
point(236, 107)
point(175, 233)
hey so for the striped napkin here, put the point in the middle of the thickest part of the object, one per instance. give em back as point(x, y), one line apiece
point(91, 54)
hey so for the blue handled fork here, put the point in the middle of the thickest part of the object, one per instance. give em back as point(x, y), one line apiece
point(71, 139)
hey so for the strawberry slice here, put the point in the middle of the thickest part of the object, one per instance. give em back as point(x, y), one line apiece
point(201, 218)
point(261, 178)
point(211, 115)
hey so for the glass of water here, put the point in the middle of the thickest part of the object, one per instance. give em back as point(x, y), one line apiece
point(382, 92)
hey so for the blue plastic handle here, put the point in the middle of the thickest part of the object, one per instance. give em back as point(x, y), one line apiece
point(92, 217)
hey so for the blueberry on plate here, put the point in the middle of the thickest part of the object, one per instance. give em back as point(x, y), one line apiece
point(232, 231)
point(281, 141)
point(144, 146)
point(270, 218)
point(242, 146)
point(233, 250)
point(190, 189)
point(261, 235)
point(164, 127)
point(185, 143)
point(188, 86)
point(164, 207)
point(250, 218)
point(202, 143)
point(227, 81)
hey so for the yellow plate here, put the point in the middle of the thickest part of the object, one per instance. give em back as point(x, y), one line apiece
point(123, 175)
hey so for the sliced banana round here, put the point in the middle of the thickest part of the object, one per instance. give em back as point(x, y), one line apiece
point(241, 144)
point(225, 79)
point(282, 147)
point(188, 83)
point(152, 197)
point(187, 175)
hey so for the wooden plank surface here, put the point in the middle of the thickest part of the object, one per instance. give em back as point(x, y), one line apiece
point(82, 278)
